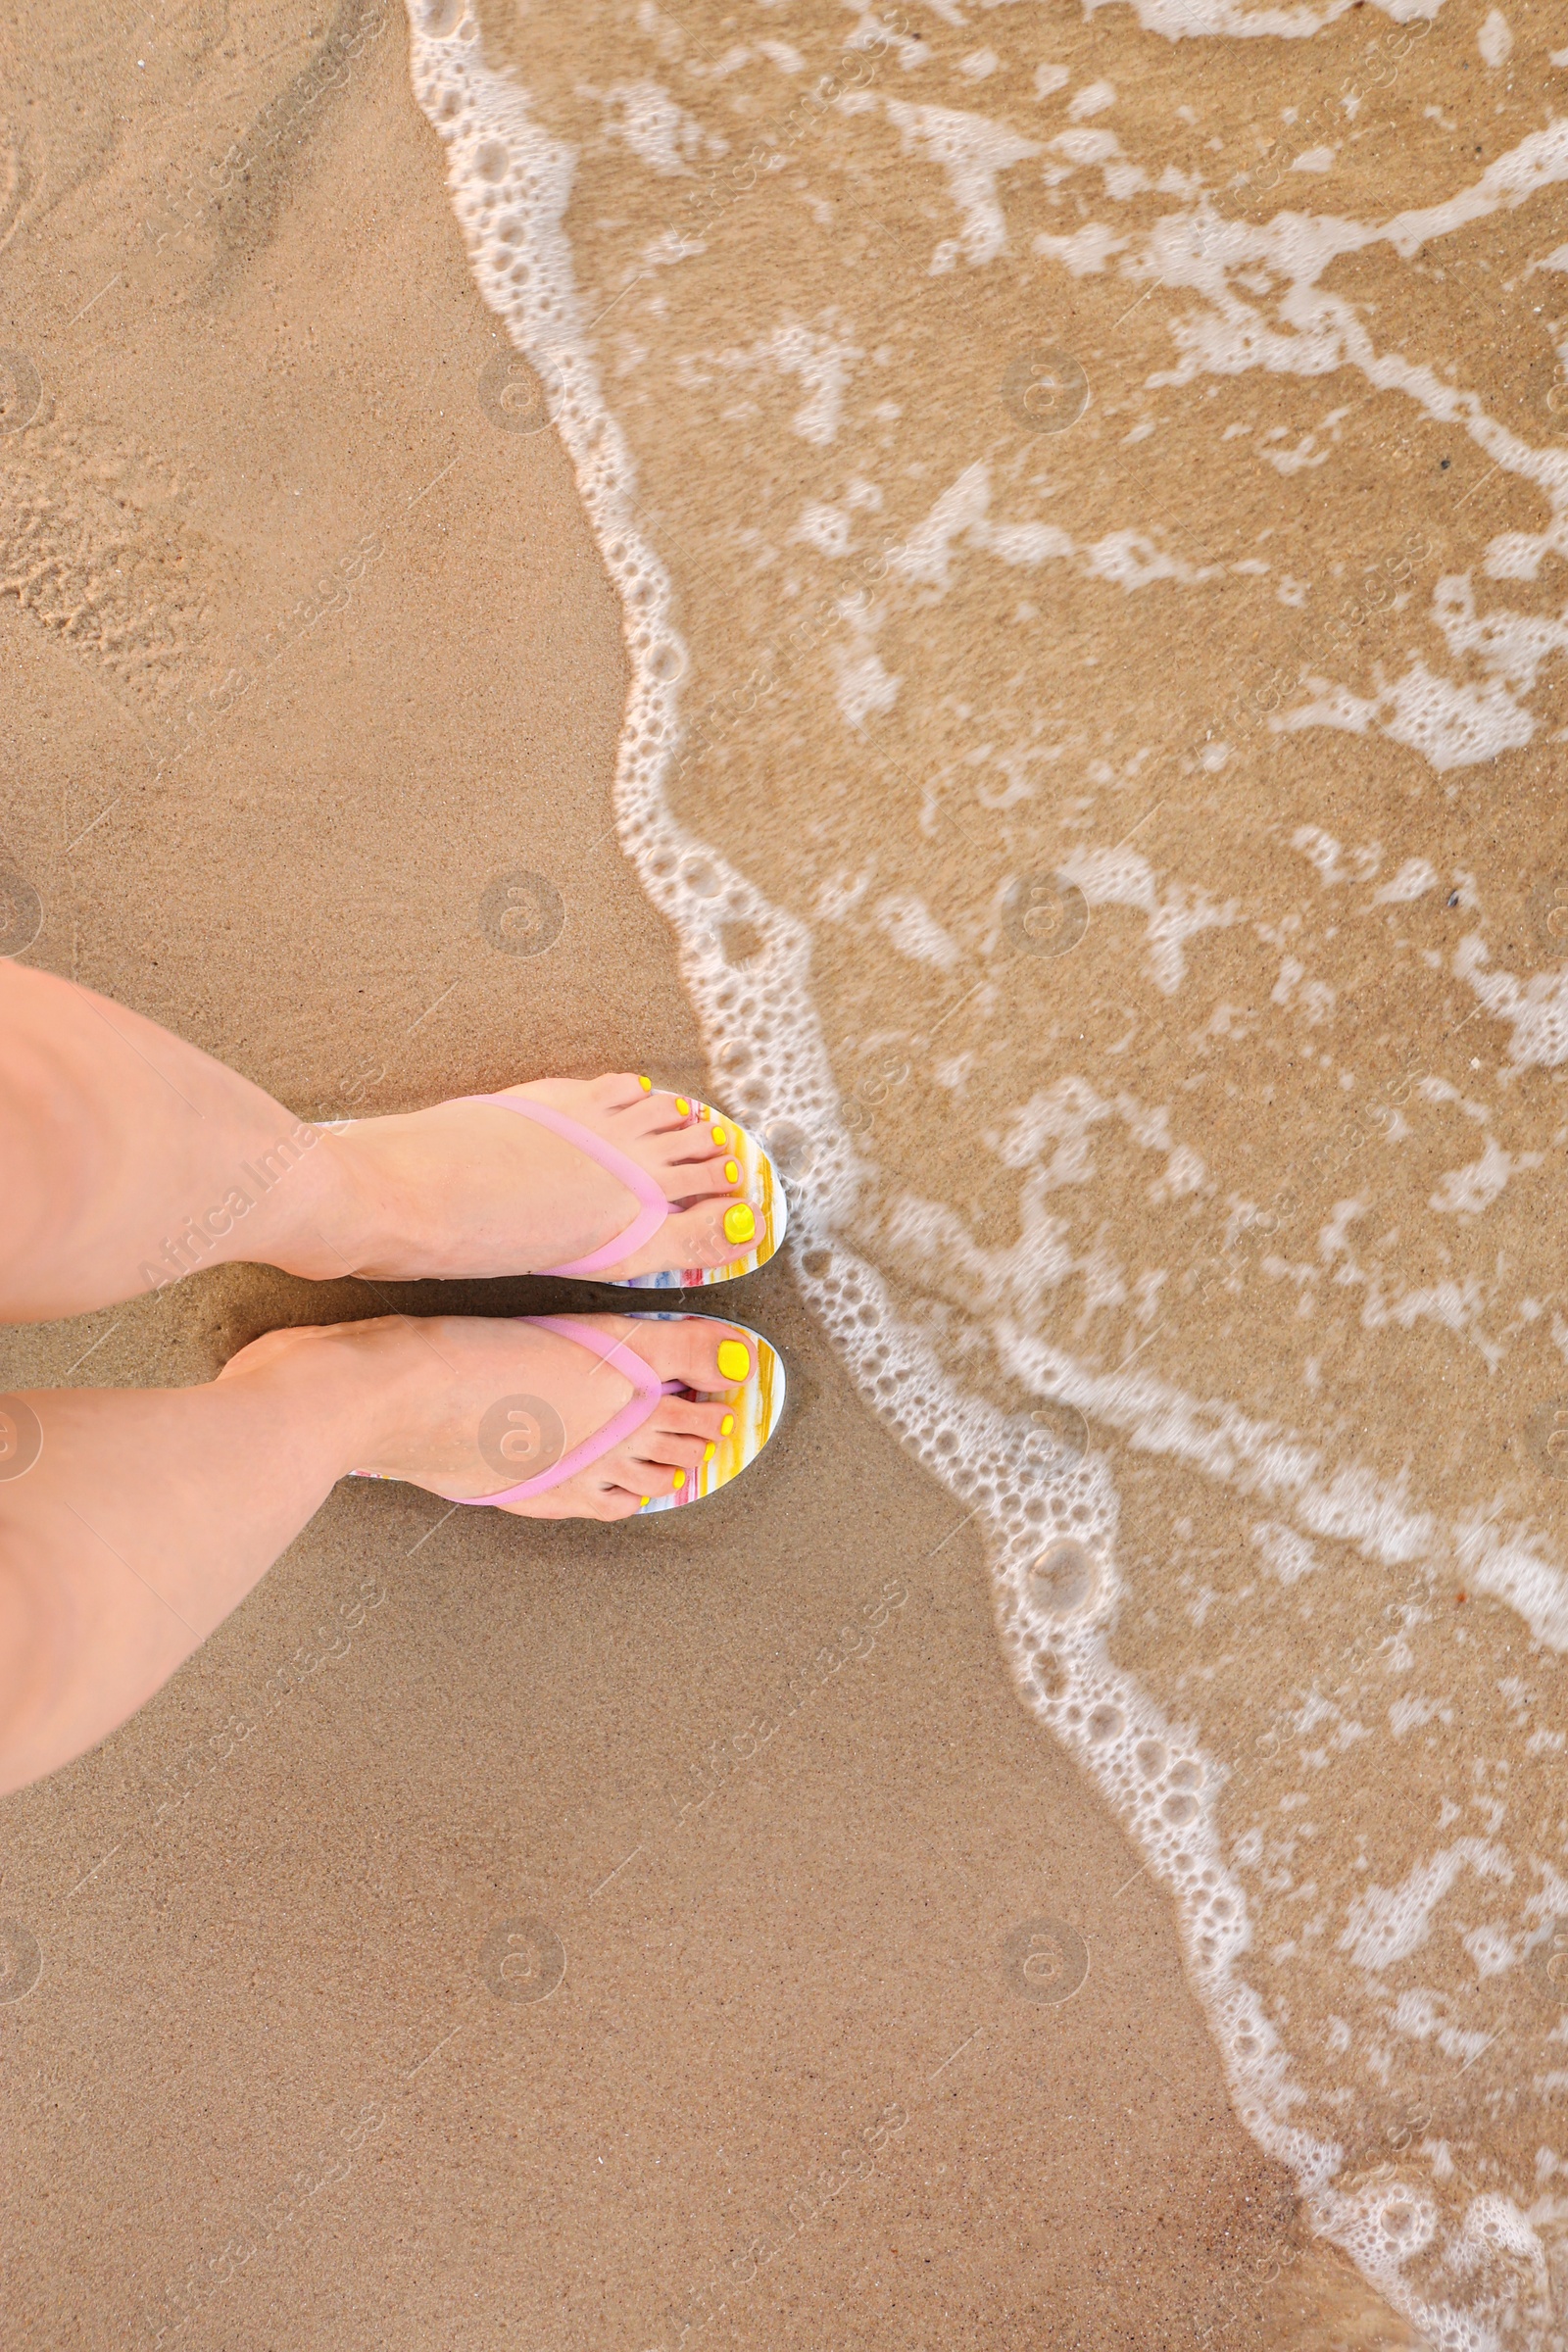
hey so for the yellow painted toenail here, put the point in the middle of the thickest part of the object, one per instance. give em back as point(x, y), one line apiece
point(726, 1426)
point(734, 1360)
point(683, 1107)
point(680, 1478)
point(740, 1223)
point(732, 1171)
point(709, 1453)
point(642, 1505)
point(647, 1085)
point(720, 1137)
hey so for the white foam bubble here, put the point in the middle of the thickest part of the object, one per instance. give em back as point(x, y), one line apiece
point(1495, 40)
point(1287, 1555)
point(653, 123)
point(972, 150)
point(1535, 1009)
point(1448, 724)
point(1207, 20)
point(1468, 1191)
point(1389, 1923)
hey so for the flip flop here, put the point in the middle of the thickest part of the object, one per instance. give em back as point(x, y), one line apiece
point(760, 1182)
point(755, 1407)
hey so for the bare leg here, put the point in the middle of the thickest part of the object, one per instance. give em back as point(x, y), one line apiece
point(129, 1158)
point(147, 1516)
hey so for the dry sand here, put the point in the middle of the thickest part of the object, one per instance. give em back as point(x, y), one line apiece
point(268, 1911)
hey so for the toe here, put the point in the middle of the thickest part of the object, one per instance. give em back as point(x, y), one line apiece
point(701, 1423)
point(618, 1503)
point(699, 1351)
point(689, 1141)
point(601, 1498)
point(620, 1090)
point(716, 1234)
point(654, 1481)
point(696, 1239)
point(665, 1449)
point(649, 1127)
point(699, 1176)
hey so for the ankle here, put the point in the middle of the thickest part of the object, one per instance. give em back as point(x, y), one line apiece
point(338, 1215)
point(344, 1379)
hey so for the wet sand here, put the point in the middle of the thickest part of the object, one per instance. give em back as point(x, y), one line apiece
point(282, 2078)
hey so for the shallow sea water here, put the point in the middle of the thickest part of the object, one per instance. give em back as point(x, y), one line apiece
point(1089, 490)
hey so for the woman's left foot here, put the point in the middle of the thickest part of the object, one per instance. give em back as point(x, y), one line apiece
point(469, 1189)
point(459, 1403)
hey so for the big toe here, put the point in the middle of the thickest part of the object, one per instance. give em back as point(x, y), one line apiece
point(716, 1233)
point(699, 1351)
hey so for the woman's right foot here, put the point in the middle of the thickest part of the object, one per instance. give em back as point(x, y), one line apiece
point(469, 1189)
point(452, 1404)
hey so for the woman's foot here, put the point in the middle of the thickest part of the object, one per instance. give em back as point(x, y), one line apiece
point(469, 1189)
point(466, 1406)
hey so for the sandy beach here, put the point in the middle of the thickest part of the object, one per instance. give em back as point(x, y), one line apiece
point(297, 1857)
point(689, 1933)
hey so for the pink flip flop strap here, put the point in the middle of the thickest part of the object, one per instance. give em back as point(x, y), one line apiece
point(631, 1416)
point(648, 1218)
